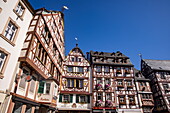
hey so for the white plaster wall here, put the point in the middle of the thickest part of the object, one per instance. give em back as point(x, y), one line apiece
point(7, 11)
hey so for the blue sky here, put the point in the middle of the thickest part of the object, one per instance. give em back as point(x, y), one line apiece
point(129, 26)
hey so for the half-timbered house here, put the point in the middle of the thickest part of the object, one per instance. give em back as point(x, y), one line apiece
point(75, 84)
point(113, 85)
point(144, 92)
point(39, 66)
point(158, 71)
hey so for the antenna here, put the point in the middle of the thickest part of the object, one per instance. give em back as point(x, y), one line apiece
point(64, 8)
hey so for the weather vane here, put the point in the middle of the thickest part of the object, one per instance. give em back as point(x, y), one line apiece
point(76, 41)
point(64, 8)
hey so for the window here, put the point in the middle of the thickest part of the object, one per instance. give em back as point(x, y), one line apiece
point(120, 83)
point(32, 84)
point(17, 107)
point(108, 96)
point(165, 86)
point(147, 109)
point(2, 59)
point(72, 59)
point(99, 96)
point(70, 82)
point(99, 80)
point(146, 96)
point(106, 69)
point(98, 69)
point(162, 75)
point(19, 9)
point(48, 88)
point(25, 73)
point(80, 83)
point(44, 87)
point(41, 87)
point(79, 59)
point(66, 98)
point(28, 109)
point(10, 31)
point(122, 99)
point(107, 81)
point(83, 98)
point(129, 83)
point(80, 69)
point(131, 99)
point(70, 69)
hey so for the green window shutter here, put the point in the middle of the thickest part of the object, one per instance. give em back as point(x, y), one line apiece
point(77, 98)
point(88, 98)
point(60, 97)
point(71, 98)
point(41, 87)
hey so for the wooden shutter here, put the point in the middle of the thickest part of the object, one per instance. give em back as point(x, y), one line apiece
point(71, 98)
point(60, 97)
point(88, 98)
point(41, 87)
point(77, 98)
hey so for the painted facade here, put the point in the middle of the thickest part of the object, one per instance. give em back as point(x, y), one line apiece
point(35, 88)
point(75, 92)
point(15, 17)
point(113, 83)
point(158, 71)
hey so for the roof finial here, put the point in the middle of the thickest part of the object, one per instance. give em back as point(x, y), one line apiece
point(140, 55)
point(76, 41)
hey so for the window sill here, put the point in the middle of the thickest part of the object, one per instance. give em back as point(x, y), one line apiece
point(21, 17)
point(7, 40)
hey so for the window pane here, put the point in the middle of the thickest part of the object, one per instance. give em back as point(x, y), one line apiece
point(17, 107)
point(80, 69)
point(32, 84)
point(2, 59)
point(10, 31)
point(81, 83)
point(106, 69)
point(70, 69)
point(98, 69)
point(48, 88)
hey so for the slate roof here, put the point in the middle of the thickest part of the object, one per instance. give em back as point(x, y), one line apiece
point(158, 64)
point(107, 58)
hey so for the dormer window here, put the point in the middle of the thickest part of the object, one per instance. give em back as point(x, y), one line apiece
point(101, 53)
point(95, 53)
point(79, 59)
point(162, 75)
point(72, 59)
point(112, 54)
